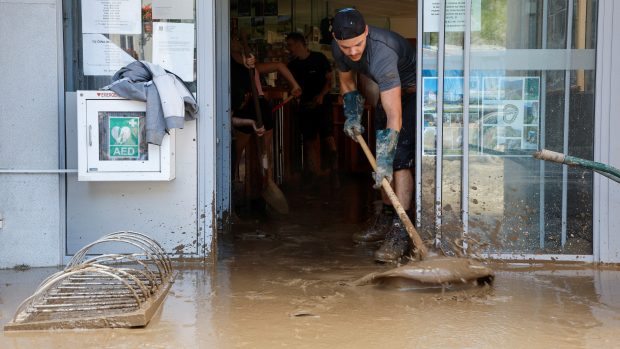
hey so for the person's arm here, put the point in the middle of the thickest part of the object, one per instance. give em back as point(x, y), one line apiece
point(240, 122)
point(391, 102)
point(325, 90)
point(347, 82)
point(266, 68)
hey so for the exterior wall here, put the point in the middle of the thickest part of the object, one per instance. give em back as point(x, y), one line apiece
point(29, 203)
point(607, 193)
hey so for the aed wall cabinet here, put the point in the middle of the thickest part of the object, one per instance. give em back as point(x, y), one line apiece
point(112, 141)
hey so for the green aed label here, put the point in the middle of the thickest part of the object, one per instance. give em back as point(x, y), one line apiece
point(124, 137)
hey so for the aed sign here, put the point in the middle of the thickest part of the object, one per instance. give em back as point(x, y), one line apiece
point(124, 141)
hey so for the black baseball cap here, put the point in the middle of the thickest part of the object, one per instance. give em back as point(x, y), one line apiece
point(348, 23)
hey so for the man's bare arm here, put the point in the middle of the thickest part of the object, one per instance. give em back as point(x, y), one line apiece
point(391, 102)
point(347, 82)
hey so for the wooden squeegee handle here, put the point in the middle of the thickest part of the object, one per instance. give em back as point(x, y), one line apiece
point(417, 240)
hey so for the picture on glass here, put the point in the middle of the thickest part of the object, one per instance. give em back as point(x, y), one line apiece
point(532, 88)
point(511, 144)
point(530, 137)
point(429, 140)
point(513, 89)
point(491, 88)
point(489, 113)
point(489, 138)
point(474, 92)
point(453, 94)
point(531, 113)
point(511, 114)
point(429, 86)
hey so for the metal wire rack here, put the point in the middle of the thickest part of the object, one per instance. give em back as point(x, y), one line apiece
point(106, 290)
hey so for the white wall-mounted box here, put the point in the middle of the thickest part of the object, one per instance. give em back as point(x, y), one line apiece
point(112, 141)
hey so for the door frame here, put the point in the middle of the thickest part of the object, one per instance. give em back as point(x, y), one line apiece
point(206, 31)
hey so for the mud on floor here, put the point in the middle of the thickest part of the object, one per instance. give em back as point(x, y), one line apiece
point(286, 283)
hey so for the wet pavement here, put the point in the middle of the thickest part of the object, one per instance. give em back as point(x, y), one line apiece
point(285, 282)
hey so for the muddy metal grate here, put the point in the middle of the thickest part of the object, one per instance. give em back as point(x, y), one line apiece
point(109, 290)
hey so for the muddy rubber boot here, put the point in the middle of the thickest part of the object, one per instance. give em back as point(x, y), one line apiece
point(396, 244)
point(376, 231)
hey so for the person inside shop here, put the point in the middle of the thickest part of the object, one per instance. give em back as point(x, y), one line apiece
point(390, 61)
point(244, 117)
point(314, 73)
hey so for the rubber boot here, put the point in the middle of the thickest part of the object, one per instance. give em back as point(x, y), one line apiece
point(396, 244)
point(377, 230)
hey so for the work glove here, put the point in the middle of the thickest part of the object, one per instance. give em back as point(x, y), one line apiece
point(353, 109)
point(387, 140)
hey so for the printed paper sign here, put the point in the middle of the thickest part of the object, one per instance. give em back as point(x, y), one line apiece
point(455, 15)
point(173, 48)
point(173, 9)
point(112, 16)
point(101, 56)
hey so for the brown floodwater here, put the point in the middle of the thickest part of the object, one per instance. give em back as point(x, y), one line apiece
point(288, 282)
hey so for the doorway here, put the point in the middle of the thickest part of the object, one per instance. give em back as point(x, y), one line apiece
point(530, 72)
point(266, 27)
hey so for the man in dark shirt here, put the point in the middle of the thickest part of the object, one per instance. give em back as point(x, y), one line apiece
point(314, 73)
point(389, 60)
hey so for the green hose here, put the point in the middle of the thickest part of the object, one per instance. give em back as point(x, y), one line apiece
point(605, 170)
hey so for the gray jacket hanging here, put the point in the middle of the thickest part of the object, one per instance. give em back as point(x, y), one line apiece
point(168, 100)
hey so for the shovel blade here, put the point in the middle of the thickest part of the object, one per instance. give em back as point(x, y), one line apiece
point(275, 198)
point(435, 271)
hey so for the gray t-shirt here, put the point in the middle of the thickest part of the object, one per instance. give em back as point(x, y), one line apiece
point(389, 59)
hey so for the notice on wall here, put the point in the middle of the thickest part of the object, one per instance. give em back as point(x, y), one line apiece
point(173, 9)
point(112, 16)
point(102, 56)
point(455, 15)
point(173, 48)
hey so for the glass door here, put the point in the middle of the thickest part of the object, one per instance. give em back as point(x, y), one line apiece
point(520, 76)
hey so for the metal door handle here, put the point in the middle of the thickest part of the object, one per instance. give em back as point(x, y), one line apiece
point(90, 135)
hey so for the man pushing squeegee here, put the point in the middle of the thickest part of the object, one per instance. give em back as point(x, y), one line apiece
point(390, 61)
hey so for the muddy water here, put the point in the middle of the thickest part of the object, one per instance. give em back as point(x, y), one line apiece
point(286, 283)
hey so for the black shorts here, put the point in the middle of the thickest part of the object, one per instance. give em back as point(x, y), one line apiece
point(315, 120)
point(405, 149)
point(248, 112)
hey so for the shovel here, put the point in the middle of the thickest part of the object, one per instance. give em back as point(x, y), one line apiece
point(432, 271)
point(413, 234)
point(271, 193)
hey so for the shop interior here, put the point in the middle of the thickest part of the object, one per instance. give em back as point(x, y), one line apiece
point(303, 169)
